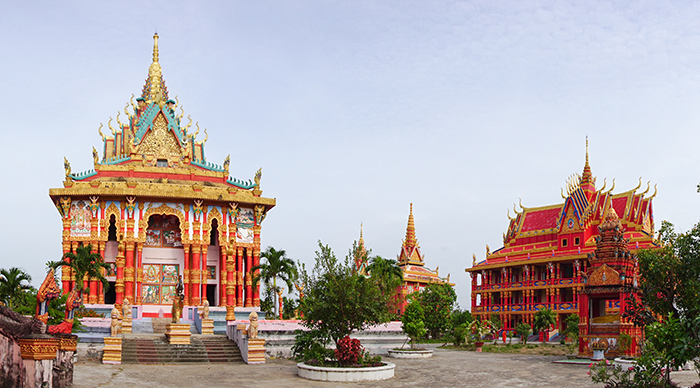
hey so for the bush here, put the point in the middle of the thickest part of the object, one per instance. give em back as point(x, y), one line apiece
point(412, 322)
point(523, 330)
point(311, 346)
point(348, 351)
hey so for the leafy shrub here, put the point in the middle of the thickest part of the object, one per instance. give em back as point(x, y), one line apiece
point(83, 312)
point(412, 322)
point(523, 330)
point(311, 346)
point(348, 351)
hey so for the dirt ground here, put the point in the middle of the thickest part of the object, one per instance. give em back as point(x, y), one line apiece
point(447, 368)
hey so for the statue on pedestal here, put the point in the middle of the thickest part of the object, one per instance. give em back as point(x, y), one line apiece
point(253, 327)
point(204, 314)
point(114, 326)
point(126, 309)
point(178, 302)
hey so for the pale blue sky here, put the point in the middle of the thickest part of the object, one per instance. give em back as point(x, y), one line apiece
point(354, 110)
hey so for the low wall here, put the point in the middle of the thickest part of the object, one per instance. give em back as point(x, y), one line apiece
point(279, 336)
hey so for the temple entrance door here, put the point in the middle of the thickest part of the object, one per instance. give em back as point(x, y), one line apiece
point(111, 294)
point(211, 294)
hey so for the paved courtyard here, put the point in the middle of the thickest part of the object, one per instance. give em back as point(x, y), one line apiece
point(445, 369)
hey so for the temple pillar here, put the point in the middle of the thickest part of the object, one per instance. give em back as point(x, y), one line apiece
point(223, 275)
point(92, 296)
point(65, 270)
point(195, 275)
point(205, 274)
point(256, 262)
point(139, 273)
point(100, 288)
point(248, 278)
point(186, 273)
point(230, 285)
point(119, 284)
point(239, 277)
point(129, 269)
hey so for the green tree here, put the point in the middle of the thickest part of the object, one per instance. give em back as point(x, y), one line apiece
point(276, 266)
point(670, 289)
point(338, 301)
point(83, 262)
point(290, 306)
point(13, 286)
point(459, 325)
point(388, 276)
point(523, 331)
point(543, 320)
point(571, 330)
point(438, 301)
point(412, 322)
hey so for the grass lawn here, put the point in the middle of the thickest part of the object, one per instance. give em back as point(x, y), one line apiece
point(538, 349)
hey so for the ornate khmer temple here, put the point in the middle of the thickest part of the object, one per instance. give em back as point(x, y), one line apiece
point(552, 255)
point(156, 209)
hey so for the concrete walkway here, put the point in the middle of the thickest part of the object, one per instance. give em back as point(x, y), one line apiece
point(446, 368)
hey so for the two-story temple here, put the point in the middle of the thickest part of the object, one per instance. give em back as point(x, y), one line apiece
point(546, 253)
point(156, 209)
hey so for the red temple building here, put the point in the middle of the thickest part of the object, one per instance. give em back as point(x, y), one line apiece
point(155, 209)
point(416, 275)
point(548, 255)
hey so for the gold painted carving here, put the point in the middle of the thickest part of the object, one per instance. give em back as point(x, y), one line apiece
point(159, 142)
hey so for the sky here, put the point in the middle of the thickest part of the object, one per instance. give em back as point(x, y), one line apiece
point(356, 109)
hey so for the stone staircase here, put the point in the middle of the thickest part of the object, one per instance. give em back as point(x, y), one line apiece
point(154, 349)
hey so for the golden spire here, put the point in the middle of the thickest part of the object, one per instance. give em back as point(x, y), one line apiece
point(410, 241)
point(155, 76)
point(586, 181)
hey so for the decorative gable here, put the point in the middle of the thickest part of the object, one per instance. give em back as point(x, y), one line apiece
point(604, 276)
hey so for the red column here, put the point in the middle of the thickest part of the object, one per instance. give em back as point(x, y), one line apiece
point(194, 275)
point(139, 273)
point(230, 284)
point(223, 276)
point(256, 290)
point(239, 277)
point(92, 298)
point(248, 278)
point(129, 271)
point(119, 285)
point(100, 288)
point(204, 274)
point(186, 273)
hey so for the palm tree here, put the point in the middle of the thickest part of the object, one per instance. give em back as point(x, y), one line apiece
point(543, 320)
point(387, 272)
point(277, 265)
point(11, 285)
point(83, 263)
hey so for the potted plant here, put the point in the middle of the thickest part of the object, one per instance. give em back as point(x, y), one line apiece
point(479, 330)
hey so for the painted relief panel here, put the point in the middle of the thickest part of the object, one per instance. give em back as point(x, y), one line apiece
point(163, 231)
point(168, 294)
point(244, 226)
point(151, 294)
point(170, 273)
point(212, 271)
point(112, 270)
point(151, 273)
point(80, 216)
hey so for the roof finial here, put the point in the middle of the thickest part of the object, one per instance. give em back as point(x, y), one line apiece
point(410, 241)
point(361, 231)
point(155, 47)
point(587, 177)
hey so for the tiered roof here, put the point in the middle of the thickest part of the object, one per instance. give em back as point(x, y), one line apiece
point(535, 232)
point(158, 155)
point(412, 261)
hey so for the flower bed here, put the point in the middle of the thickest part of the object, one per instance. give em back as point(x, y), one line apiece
point(408, 353)
point(327, 373)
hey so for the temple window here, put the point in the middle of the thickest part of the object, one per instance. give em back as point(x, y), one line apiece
point(214, 234)
point(162, 163)
point(163, 231)
point(112, 230)
point(564, 242)
point(577, 241)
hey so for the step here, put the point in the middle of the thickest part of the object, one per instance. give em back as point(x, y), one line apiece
point(156, 350)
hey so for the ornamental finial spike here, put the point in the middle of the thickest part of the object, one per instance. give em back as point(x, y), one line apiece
point(155, 47)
